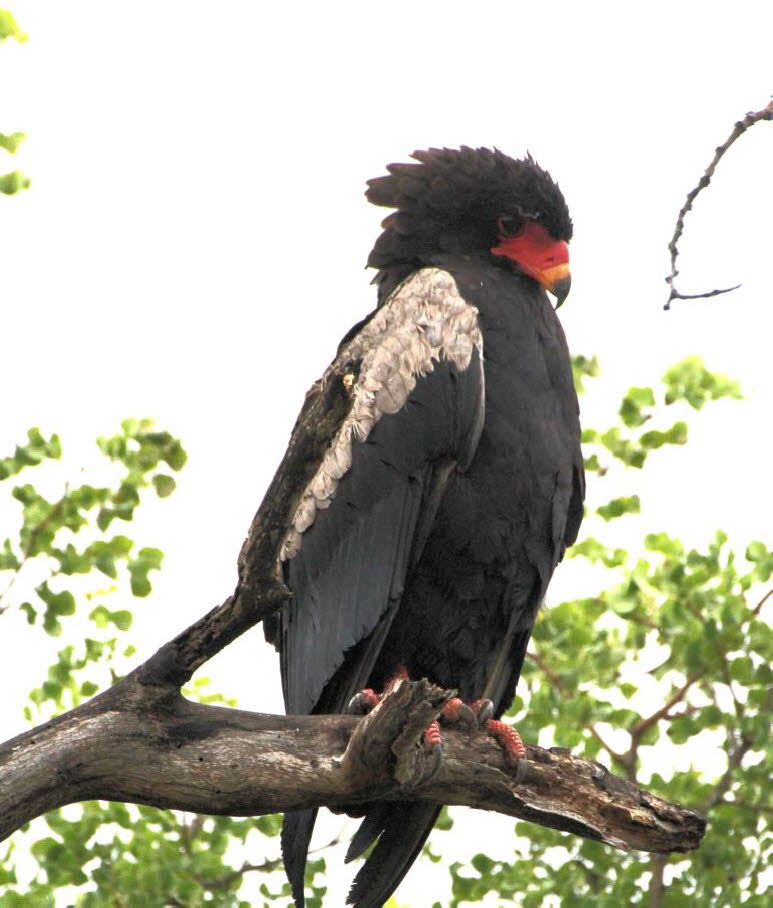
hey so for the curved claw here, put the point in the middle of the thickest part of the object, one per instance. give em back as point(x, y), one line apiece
point(468, 718)
point(459, 712)
point(363, 702)
point(484, 710)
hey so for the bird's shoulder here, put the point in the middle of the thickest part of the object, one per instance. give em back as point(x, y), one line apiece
point(424, 323)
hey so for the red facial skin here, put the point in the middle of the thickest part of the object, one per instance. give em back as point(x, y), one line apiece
point(536, 253)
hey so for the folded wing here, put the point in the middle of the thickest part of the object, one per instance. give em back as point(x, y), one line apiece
point(414, 375)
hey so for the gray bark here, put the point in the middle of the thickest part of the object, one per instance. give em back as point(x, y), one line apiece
point(146, 744)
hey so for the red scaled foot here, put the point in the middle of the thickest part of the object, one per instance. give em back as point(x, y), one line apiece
point(458, 712)
point(509, 740)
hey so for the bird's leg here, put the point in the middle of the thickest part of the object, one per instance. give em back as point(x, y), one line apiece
point(364, 701)
point(509, 740)
point(478, 715)
point(507, 735)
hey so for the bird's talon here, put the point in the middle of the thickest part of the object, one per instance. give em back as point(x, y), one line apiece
point(468, 718)
point(363, 702)
point(458, 712)
point(509, 740)
point(484, 710)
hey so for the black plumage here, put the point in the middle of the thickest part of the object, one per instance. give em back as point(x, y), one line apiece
point(433, 524)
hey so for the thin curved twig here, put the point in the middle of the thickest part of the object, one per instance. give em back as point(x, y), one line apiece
point(673, 247)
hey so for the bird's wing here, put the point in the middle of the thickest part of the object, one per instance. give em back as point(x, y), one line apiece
point(416, 411)
point(414, 376)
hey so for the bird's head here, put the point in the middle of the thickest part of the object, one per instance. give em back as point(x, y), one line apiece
point(474, 200)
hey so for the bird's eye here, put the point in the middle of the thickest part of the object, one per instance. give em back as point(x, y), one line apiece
point(509, 225)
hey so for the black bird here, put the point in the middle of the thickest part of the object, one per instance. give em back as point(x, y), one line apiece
point(452, 484)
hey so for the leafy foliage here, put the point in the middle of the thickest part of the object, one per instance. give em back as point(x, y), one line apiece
point(46, 543)
point(158, 857)
point(688, 381)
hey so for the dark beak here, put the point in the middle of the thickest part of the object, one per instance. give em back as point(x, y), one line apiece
point(560, 289)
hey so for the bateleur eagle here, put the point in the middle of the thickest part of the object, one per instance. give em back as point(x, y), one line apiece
point(453, 479)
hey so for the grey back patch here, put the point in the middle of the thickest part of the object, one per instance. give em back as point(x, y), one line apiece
point(424, 321)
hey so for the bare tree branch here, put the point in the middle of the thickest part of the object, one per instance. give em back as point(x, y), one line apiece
point(141, 746)
point(657, 888)
point(623, 760)
point(758, 607)
point(673, 247)
point(723, 786)
point(638, 729)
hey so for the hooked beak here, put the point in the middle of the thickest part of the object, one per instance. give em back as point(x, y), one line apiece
point(557, 281)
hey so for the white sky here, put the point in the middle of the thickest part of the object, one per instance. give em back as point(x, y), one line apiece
point(193, 245)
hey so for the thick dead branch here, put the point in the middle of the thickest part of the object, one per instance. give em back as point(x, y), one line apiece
point(673, 247)
point(134, 744)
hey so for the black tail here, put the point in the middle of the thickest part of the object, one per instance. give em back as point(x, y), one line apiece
point(297, 828)
point(402, 829)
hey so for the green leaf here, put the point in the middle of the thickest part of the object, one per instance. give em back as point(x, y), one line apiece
point(13, 182)
point(619, 506)
point(595, 552)
point(692, 382)
point(584, 367)
point(61, 603)
point(9, 28)
point(742, 670)
point(147, 559)
point(8, 559)
point(662, 542)
point(11, 142)
point(34, 452)
point(122, 619)
point(756, 551)
point(140, 585)
point(163, 484)
point(682, 729)
point(633, 403)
